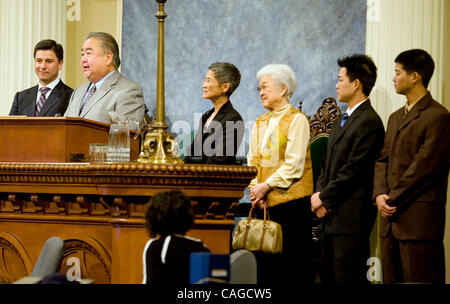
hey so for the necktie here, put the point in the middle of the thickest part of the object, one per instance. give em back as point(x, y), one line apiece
point(344, 119)
point(42, 99)
point(91, 92)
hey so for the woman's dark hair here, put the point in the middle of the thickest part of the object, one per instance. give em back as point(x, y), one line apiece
point(226, 73)
point(168, 213)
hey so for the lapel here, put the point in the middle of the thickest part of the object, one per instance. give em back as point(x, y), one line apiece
point(340, 131)
point(337, 132)
point(53, 99)
point(415, 112)
point(107, 86)
point(223, 111)
point(399, 123)
point(79, 94)
point(30, 98)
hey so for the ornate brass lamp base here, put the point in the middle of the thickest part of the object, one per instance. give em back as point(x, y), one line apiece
point(159, 146)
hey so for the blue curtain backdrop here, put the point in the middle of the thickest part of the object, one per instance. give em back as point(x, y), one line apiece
point(308, 35)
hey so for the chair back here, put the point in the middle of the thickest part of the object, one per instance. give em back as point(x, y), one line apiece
point(49, 260)
point(320, 125)
point(243, 267)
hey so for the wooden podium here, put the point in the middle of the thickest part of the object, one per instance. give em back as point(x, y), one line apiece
point(97, 209)
point(52, 139)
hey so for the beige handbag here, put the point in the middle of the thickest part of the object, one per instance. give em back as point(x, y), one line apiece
point(258, 235)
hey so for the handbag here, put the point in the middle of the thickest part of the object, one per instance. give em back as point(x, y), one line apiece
point(258, 235)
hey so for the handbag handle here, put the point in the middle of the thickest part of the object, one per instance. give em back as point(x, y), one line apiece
point(266, 214)
point(247, 226)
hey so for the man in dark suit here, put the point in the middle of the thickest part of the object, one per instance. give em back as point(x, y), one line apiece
point(411, 175)
point(344, 189)
point(51, 96)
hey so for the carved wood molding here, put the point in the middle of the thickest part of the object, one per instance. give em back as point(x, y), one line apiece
point(72, 192)
point(45, 204)
point(127, 174)
point(94, 261)
point(43, 207)
point(15, 262)
point(324, 118)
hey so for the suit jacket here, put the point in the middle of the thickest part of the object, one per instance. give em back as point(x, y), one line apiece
point(413, 170)
point(346, 180)
point(25, 101)
point(217, 144)
point(116, 94)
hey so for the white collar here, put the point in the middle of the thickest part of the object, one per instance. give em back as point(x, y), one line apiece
point(51, 85)
point(99, 83)
point(349, 112)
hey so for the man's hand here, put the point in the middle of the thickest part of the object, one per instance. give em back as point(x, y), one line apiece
point(383, 201)
point(316, 203)
point(321, 212)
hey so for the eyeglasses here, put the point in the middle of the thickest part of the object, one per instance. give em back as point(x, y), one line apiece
point(210, 81)
point(263, 87)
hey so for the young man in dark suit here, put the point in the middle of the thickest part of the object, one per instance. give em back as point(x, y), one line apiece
point(51, 96)
point(344, 190)
point(411, 177)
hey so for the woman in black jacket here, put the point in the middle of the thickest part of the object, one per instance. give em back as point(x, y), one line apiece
point(221, 129)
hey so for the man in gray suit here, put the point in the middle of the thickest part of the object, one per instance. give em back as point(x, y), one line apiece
point(107, 90)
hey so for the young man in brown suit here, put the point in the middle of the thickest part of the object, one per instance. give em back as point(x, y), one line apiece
point(411, 175)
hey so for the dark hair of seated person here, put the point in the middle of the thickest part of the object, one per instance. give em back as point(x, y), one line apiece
point(168, 213)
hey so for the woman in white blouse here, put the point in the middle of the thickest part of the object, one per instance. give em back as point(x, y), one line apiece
point(279, 149)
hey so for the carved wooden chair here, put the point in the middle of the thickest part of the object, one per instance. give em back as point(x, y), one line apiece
point(320, 127)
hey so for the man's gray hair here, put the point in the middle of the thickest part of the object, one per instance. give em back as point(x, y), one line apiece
point(109, 44)
point(282, 74)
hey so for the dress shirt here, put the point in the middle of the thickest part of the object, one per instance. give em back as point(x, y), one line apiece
point(51, 86)
point(409, 106)
point(350, 111)
point(97, 85)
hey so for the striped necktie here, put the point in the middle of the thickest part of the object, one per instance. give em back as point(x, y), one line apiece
point(91, 92)
point(42, 99)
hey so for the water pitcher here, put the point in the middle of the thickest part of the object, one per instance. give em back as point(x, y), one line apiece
point(119, 139)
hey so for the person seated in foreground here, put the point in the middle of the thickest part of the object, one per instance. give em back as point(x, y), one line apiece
point(166, 255)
